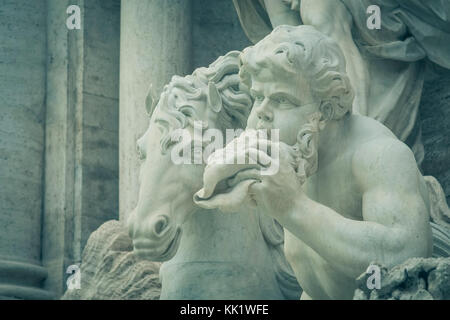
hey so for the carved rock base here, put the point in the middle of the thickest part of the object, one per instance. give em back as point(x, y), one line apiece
point(415, 279)
point(110, 271)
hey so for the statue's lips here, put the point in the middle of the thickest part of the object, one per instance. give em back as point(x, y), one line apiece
point(149, 249)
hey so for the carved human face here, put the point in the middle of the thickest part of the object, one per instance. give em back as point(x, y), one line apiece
point(282, 101)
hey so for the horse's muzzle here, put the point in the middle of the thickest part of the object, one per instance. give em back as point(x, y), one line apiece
point(156, 239)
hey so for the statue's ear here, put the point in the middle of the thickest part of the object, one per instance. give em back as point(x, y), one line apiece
point(151, 100)
point(214, 99)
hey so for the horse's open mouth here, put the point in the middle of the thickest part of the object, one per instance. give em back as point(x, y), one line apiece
point(153, 254)
point(172, 247)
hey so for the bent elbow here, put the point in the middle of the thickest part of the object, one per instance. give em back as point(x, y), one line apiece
point(415, 245)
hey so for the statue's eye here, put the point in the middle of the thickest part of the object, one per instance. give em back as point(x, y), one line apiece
point(259, 97)
point(282, 100)
point(284, 103)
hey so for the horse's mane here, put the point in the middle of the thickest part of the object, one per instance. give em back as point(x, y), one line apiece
point(178, 110)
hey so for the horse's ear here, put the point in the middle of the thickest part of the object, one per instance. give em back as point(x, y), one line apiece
point(151, 100)
point(214, 99)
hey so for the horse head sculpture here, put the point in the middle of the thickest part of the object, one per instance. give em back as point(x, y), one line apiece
point(211, 95)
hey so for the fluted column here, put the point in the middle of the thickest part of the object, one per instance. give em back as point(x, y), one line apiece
point(81, 154)
point(155, 45)
point(22, 117)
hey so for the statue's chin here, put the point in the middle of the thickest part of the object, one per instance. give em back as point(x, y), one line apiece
point(149, 251)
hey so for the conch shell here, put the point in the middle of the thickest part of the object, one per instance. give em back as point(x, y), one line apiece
point(216, 191)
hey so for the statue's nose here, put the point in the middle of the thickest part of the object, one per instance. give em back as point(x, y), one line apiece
point(264, 112)
point(266, 117)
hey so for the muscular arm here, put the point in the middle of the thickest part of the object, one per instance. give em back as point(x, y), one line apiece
point(395, 225)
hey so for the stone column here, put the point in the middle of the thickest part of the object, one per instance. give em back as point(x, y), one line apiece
point(22, 113)
point(155, 45)
point(81, 142)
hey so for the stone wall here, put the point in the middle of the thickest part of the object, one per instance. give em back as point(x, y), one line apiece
point(100, 114)
point(216, 30)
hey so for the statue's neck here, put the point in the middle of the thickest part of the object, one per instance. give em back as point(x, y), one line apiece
point(332, 139)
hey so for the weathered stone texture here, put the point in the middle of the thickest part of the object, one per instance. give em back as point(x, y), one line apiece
point(110, 270)
point(22, 102)
point(216, 30)
point(81, 154)
point(100, 192)
point(435, 115)
point(22, 114)
point(415, 279)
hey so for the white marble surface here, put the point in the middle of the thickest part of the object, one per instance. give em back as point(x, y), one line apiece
point(364, 198)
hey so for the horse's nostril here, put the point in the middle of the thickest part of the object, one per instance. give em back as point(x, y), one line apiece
point(161, 225)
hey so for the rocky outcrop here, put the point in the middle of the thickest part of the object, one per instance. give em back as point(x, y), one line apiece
point(110, 271)
point(415, 279)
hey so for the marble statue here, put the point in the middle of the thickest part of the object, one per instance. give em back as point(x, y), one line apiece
point(348, 192)
point(385, 66)
point(205, 254)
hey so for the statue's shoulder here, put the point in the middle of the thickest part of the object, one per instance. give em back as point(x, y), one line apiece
point(381, 147)
point(381, 157)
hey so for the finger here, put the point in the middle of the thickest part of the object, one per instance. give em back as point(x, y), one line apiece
point(259, 143)
point(278, 151)
point(228, 202)
point(253, 156)
point(270, 147)
point(214, 173)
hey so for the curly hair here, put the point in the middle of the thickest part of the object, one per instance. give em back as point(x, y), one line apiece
point(179, 101)
point(303, 50)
